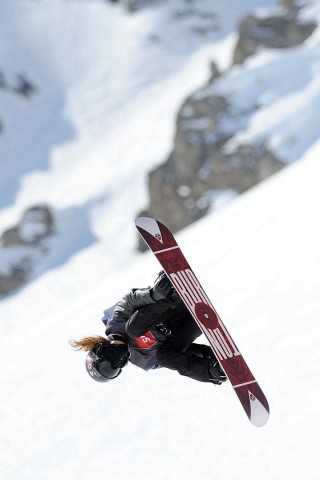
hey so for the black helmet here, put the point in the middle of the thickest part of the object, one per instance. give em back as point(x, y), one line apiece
point(105, 361)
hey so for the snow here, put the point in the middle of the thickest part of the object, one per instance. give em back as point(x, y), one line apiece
point(284, 85)
point(259, 261)
point(84, 145)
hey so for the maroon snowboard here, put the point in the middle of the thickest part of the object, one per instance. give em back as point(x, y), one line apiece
point(163, 244)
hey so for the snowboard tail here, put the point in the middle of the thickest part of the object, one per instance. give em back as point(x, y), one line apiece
point(164, 246)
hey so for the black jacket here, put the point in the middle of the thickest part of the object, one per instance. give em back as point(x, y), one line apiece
point(144, 324)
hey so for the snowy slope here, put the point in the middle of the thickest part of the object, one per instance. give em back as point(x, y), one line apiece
point(259, 261)
point(84, 145)
point(103, 75)
point(110, 85)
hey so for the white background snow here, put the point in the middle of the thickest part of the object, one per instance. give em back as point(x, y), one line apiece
point(111, 84)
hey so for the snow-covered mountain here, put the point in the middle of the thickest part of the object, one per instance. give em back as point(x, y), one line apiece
point(105, 89)
point(85, 87)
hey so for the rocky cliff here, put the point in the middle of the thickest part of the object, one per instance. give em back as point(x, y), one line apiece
point(205, 162)
point(23, 245)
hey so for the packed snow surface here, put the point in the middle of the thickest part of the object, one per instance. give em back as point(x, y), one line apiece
point(259, 262)
point(106, 115)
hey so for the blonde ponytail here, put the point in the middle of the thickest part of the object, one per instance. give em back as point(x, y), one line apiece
point(87, 343)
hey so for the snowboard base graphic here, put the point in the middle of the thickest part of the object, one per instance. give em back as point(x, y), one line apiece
point(164, 246)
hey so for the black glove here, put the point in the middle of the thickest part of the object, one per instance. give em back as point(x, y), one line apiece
point(162, 287)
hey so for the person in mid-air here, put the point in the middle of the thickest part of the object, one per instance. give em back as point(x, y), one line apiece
point(151, 328)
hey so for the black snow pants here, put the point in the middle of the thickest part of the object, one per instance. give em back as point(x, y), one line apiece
point(178, 351)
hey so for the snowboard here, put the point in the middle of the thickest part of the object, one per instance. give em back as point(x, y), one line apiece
point(164, 246)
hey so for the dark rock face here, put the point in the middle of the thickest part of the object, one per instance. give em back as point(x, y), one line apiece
point(181, 189)
point(20, 85)
point(36, 224)
point(292, 5)
point(202, 164)
point(22, 245)
point(281, 31)
point(134, 5)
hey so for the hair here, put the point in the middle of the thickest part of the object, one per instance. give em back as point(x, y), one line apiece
point(87, 343)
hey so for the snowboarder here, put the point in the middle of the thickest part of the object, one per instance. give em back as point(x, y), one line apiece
point(151, 328)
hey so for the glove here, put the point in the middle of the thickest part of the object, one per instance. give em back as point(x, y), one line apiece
point(162, 288)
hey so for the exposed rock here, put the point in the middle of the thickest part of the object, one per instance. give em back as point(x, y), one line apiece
point(134, 5)
point(281, 31)
point(21, 85)
point(214, 72)
point(22, 245)
point(3, 83)
point(183, 188)
point(25, 87)
point(205, 159)
point(293, 5)
point(36, 224)
point(15, 279)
